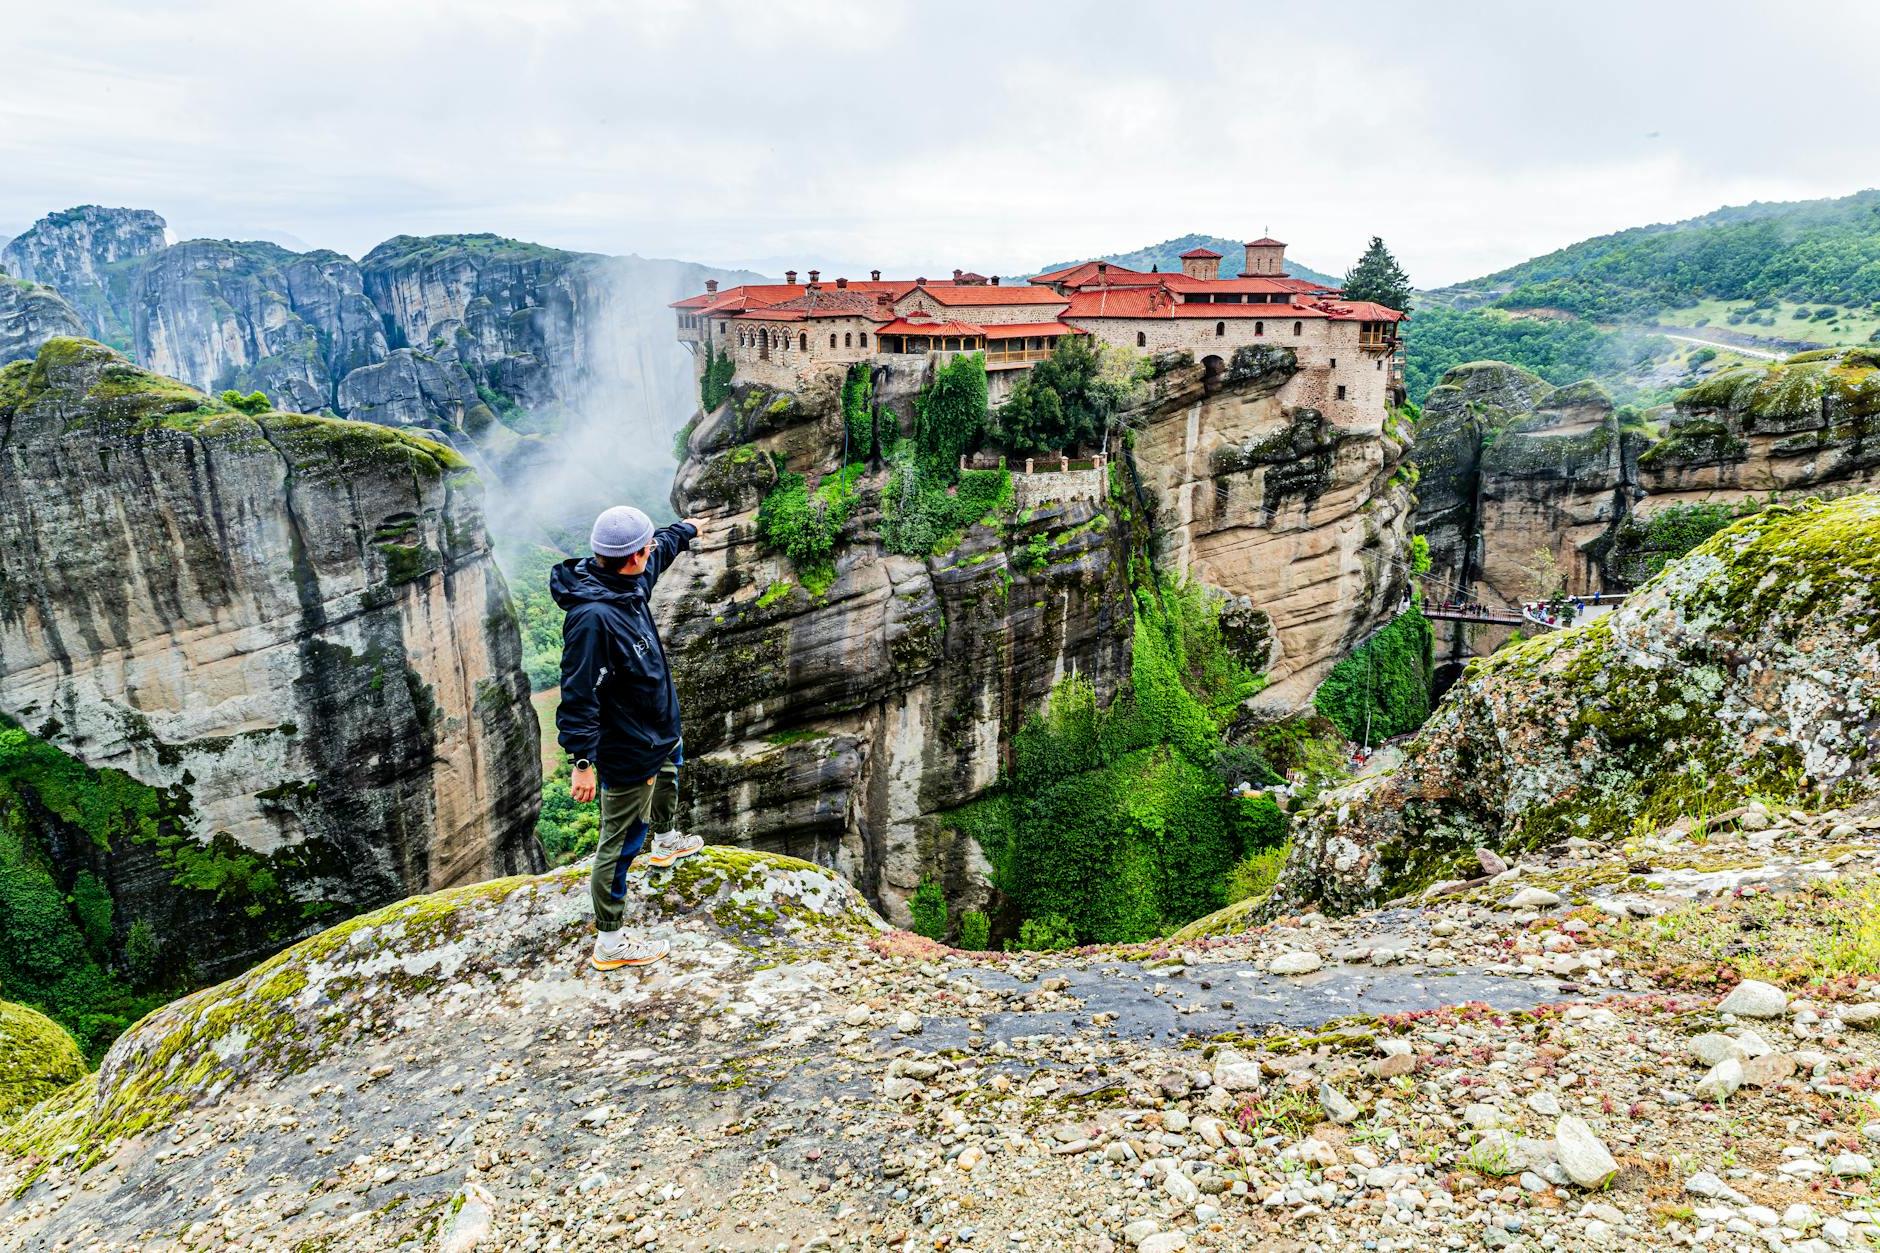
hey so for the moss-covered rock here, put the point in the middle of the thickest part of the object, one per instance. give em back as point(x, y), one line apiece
point(37, 1057)
point(1747, 667)
point(382, 973)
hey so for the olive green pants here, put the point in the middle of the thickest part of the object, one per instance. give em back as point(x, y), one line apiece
point(627, 814)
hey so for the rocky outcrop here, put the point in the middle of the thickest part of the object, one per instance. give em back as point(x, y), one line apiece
point(1746, 667)
point(1302, 524)
point(29, 316)
point(88, 254)
point(217, 314)
point(415, 390)
point(484, 342)
point(290, 627)
point(834, 725)
point(1527, 489)
point(1810, 423)
point(837, 724)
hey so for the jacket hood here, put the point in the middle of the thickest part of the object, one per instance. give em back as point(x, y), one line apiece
point(578, 581)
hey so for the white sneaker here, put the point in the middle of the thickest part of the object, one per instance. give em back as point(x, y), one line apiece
point(670, 846)
point(614, 949)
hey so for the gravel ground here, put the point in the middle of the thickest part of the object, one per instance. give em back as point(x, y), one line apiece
point(1563, 1054)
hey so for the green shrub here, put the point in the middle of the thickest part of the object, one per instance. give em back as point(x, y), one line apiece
point(143, 952)
point(805, 525)
point(1048, 933)
point(1068, 398)
point(714, 385)
point(975, 931)
point(1256, 874)
point(929, 907)
point(253, 404)
point(860, 421)
point(1389, 678)
point(922, 517)
point(950, 414)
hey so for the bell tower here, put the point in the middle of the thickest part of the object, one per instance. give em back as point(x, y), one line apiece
point(1266, 258)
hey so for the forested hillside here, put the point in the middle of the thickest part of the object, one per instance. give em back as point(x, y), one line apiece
point(1822, 252)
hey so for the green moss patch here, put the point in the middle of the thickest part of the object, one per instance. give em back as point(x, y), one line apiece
point(37, 1057)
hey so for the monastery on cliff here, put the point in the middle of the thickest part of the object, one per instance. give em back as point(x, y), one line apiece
point(1347, 351)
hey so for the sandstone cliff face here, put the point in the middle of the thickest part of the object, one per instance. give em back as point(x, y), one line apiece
point(834, 726)
point(1526, 487)
point(1748, 666)
point(1300, 522)
point(84, 254)
point(253, 315)
point(484, 342)
point(29, 316)
point(291, 626)
point(1806, 424)
point(837, 726)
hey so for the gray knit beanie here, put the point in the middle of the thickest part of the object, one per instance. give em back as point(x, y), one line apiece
point(620, 531)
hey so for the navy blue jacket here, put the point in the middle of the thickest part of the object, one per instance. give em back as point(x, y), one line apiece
point(618, 706)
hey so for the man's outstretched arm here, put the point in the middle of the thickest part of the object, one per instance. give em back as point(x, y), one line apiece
point(668, 542)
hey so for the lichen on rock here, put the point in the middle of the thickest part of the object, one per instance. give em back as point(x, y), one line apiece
point(1747, 667)
point(423, 961)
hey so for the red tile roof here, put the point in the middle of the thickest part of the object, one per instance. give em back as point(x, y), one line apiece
point(1194, 253)
point(901, 326)
point(1265, 241)
point(974, 294)
point(1020, 330)
point(1086, 272)
point(1360, 311)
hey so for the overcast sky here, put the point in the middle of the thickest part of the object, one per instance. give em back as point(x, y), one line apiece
point(918, 137)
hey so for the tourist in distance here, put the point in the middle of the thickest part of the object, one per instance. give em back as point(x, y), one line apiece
point(619, 714)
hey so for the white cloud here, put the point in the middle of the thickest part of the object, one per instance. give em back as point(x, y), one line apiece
point(913, 136)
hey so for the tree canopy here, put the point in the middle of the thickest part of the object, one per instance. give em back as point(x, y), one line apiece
point(1066, 399)
point(1378, 277)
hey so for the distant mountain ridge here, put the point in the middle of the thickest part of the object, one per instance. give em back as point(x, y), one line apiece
point(1167, 256)
point(1816, 251)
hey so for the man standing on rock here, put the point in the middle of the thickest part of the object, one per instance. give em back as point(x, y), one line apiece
point(619, 715)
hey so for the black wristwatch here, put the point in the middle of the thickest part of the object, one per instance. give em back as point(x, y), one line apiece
point(582, 763)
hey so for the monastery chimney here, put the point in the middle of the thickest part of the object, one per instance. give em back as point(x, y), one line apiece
point(813, 274)
point(995, 280)
point(711, 284)
point(1266, 258)
point(842, 284)
point(1103, 268)
point(956, 273)
point(789, 276)
point(874, 276)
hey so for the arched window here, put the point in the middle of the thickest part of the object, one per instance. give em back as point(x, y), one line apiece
point(864, 335)
point(848, 339)
point(1142, 339)
point(832, 339)
point(802, 341)
point(1220, 329)
point(1259, 328)
point(1299, 328)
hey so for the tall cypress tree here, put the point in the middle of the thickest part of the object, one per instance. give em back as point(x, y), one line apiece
point(1377, 276)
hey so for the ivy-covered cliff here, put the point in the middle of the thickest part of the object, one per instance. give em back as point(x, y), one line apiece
point(256, 670)
point(866, 631)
